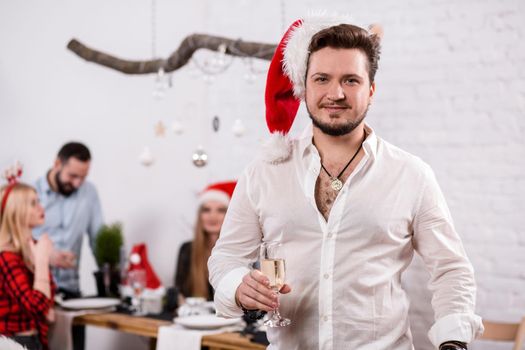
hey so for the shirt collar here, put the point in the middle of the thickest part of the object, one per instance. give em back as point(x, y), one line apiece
point(370, 144)
point(305, 140)
point(44, 184)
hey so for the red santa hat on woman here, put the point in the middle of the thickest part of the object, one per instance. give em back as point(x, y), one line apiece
point(220, 192)
point(285, 84)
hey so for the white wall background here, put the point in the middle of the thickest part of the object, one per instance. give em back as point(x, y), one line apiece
point(451, 89)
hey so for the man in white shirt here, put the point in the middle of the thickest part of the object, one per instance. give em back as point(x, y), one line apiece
point(349, 209)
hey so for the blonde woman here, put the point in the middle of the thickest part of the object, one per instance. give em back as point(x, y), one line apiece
point(191, 278)
point(26, 287)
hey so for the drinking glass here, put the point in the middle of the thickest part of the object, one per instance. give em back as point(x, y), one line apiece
point(273, 266)
point(137, 282)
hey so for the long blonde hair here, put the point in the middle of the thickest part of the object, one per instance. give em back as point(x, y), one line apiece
point(14, 225)
point(200, 253)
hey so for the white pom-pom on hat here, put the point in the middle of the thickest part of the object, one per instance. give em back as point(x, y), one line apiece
point(277, 148)
point(135, 259)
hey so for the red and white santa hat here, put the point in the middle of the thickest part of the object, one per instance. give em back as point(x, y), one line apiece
point(138, 260)
point(285, 83)
point(220, 192)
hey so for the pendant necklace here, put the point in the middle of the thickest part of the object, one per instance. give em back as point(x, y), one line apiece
point(335, 182)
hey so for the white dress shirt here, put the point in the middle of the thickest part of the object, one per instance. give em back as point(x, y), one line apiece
point(345, 272)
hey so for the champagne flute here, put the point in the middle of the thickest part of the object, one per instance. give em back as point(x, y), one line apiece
point(273, 266)
point(137, 281)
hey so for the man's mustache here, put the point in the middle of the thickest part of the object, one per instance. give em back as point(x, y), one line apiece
point(335, 105)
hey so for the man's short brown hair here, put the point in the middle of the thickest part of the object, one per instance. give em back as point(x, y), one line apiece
point(347, 36)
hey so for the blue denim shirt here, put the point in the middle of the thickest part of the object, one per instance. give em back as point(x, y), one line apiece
point(67, 219)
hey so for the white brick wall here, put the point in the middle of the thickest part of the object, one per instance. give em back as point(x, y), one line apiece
point(451, 89)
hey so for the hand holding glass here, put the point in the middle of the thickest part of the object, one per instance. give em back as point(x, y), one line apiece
point(273, 267)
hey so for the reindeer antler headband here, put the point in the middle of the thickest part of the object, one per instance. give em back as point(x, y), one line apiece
point(11, 174)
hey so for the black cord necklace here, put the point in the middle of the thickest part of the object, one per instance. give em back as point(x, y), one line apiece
point(336, 183)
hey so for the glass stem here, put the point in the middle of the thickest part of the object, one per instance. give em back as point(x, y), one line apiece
point(276, 312)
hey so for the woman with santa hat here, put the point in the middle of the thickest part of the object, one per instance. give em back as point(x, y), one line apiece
point(191, 278)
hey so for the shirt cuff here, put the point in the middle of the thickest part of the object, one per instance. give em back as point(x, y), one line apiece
point(225, 294)
point(459, 327)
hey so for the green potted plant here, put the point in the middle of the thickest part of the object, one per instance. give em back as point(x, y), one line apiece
point(107, 249)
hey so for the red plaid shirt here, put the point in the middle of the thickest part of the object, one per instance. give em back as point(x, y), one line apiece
point(21, 307)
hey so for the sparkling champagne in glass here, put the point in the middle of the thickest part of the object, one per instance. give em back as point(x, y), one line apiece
point(273, 266)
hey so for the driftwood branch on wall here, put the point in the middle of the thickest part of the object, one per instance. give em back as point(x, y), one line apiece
point(177, 59)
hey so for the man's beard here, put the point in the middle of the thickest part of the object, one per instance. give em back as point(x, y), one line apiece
point(64, 189)
point(337, 130)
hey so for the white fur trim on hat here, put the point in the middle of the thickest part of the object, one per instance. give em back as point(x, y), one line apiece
point(214, 195)
point(296, 50)
point(277, 148)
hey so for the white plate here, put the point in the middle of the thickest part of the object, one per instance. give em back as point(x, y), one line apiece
point(89, 303)
point(205, 321)
point(210, 305)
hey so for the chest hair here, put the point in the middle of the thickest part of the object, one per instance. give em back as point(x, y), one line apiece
point(325, 195)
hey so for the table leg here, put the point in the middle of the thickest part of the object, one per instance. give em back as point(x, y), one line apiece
point(152, 343)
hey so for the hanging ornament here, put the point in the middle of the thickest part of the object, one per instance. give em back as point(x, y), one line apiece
point(216, 123)
point(162, 83)
point(221, 60)
point(160, 129)
point(193, 69)
point(216, 64)
point(146, 158)
point(200, 157)
point(162, 80)
point(238, 128)
point(177, 127)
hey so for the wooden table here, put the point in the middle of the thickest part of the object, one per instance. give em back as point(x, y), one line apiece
point(148, 327)
point(229, 341)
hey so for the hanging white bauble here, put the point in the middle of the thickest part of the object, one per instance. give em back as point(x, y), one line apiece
point(200, 157)
point(238, 128)
point(146, 158)
point(177, 127)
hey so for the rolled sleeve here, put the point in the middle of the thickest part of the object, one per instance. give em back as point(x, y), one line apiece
point(459, 327)
point(225, 294)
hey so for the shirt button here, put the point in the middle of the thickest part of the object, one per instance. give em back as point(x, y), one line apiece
point(330, 234)
point(325, 318)
point(326, 276)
